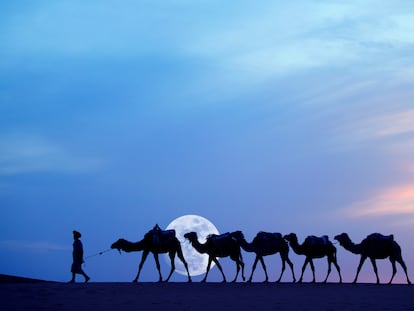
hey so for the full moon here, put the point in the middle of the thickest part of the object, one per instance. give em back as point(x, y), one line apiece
point(197, 263)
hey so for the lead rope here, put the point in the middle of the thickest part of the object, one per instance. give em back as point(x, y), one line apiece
point(100, 253)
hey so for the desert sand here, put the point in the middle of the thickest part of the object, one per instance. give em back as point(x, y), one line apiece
point(37, 295)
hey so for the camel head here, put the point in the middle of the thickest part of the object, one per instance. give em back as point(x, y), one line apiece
point(191, 236)
point(290, 237)
point(119, 245)
point(342, 238)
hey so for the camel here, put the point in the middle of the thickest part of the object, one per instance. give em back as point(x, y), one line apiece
point(314, 247)
point(264, 244)
point(375, 246)
point(156, 241)
point(223, 245)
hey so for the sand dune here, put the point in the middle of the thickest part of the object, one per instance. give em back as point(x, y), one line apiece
point(4, 278)
point(27, 295)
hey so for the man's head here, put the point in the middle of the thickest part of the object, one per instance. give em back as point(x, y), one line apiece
point(76, 234)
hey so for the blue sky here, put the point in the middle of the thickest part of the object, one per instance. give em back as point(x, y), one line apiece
point(286, 117)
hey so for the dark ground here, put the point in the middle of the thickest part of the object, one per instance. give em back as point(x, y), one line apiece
point(28, 294)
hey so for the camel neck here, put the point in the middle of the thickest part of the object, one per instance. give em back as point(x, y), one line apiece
point(351, 246)
point(297, 248)
point(134, 246)
point(201, 248)
point(248, 247)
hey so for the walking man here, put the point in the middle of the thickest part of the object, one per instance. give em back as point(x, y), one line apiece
point(77, 257)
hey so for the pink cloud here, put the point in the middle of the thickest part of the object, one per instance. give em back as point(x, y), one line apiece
point(397, 200)
point(398, 123)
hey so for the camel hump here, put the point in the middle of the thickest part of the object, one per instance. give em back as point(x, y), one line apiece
point(378, 236)
point(212, 236)
point(166, 234)
point(277, 235)
point(218, 237)
point(221, 238)
point(269, 235)
point(159, 235)
point(316, 240)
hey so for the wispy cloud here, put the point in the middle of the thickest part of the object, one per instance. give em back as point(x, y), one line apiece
point(400, 29)
point(394, 124)
point(32, 246)
point(390, 131)
point(27, 154)
point(233, 32)
point(280, 38)
point(391, 201)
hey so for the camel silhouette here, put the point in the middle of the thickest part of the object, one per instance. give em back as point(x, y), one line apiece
point(264, 244)
point(314, 247)
point(223, 245)
point(156, 241)
point(375, 246)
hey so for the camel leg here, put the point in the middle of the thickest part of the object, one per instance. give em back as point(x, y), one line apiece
point(264, 268)
point(361, 262)
point(283, 267)
point(285, 258)
point(303, 269)
point(402, 264)
point(329, 269)
point(313, 270)
point(253, 268)
point(221, 269)
point(208, 269)
point(141, 264)
point(239, 263)
point(157, 263)
point(181, 256)
point(374, 265)
point(338, 269)
point(172, 256)
point(237, 271)
point(394, 269)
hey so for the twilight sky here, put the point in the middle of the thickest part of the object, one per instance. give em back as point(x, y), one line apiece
point(280, 116)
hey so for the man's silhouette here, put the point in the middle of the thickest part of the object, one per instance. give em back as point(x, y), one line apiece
point(77, 257)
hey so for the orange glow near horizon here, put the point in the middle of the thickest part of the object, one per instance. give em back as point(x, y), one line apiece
point(390, 201)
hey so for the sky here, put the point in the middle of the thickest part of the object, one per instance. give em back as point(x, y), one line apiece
point(276, 116)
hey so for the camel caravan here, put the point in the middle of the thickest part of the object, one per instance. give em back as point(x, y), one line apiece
point(157, 241)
